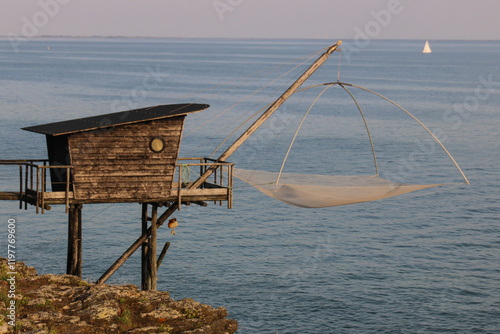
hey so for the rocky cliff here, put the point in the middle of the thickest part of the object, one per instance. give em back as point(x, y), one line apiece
point(31, 303)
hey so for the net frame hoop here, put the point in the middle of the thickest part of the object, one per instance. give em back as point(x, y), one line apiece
point(366, 126)
point(342, 84)
point(304, 117)
point(297, 132)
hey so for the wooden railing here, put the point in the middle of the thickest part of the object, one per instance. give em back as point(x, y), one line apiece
point(33, 182)
point(33, 188)
point(221, 180)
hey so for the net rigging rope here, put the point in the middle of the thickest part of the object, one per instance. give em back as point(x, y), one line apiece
point(422, 124)
point(401, 108)
point(366, 126)
point(296, 133)
point(252, 116)
point(303, 119)
point(315, 191)
point(260, 110)
point(266, 71)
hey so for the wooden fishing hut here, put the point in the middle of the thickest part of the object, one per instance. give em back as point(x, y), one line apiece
point(125, 157)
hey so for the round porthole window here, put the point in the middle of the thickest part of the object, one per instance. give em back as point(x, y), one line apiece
point(157, 145)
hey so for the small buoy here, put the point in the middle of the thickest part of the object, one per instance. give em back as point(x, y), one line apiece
point(48, 47)
point(173, 223)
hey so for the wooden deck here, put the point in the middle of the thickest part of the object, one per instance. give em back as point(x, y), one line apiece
point(9, 196)
point(210, 192)
point(33, 188)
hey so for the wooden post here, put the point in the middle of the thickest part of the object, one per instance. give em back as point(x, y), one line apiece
point(21, 186)
point(148, 254)
point(74, 261)
point(152, 249)
point(37, 188)
point(144, 248)
point(44, 174)
point(180, 188)
point(26, 187)
point(67, 189)
point(80, 251)
point(71, 258)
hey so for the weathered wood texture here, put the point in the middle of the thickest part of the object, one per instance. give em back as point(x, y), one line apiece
point(9, 196)
point(152, 245)
point(162, 255)
point(118, 163)
point(74, 261)
point(144, 248)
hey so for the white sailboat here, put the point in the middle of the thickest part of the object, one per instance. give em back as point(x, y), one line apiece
point(427, 48)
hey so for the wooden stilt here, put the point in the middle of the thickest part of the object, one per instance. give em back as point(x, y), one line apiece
point(74, 262)
point(114, 267)
point(79, 243)
point(144, 248)
point(71, 227)
point(152, 250)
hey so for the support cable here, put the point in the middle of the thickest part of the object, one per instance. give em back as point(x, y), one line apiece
point(425, 127)
point(403, 109)
point(296, 133)
point(249, 96)
point(366, 126)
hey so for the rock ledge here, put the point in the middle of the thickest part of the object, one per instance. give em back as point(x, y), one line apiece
point(66, 304)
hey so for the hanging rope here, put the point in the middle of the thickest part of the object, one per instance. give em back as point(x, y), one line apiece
point(265, 72)
point(185, 173)
point(259, 111)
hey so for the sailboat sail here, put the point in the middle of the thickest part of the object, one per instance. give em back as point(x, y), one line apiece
point(427, 48)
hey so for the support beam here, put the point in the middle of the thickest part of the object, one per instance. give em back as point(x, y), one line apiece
point(152, 279)
point(74, 261)
point(162, 254)
point(114, 267)
point(144, 248)
point(79, 243)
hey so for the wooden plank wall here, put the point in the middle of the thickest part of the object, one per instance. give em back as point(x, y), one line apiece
point(117, 163)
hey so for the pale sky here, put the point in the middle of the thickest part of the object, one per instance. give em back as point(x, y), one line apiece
point(334, 19)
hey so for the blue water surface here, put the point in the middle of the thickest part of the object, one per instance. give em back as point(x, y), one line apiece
point(425, 262)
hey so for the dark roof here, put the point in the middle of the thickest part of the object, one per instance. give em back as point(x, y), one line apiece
point(118, 118)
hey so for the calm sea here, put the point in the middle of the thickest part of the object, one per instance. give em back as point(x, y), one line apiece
point(425, 262)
